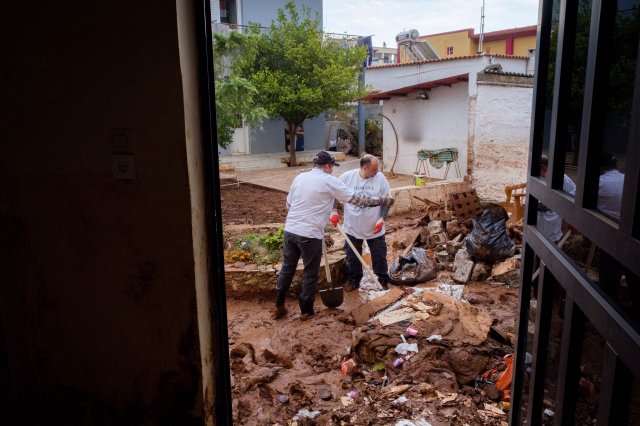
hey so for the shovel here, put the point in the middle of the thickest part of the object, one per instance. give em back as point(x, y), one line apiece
point(373, 276)
point(332, 297)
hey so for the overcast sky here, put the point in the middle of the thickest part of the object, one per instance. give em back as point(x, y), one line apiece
point(385, 18)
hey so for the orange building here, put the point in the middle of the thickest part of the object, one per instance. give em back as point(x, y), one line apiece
point(452, 44)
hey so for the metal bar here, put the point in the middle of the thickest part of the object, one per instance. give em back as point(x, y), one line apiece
point(615, 390)
point(569, 365)
point(593, 225)
point(546, 284)
point(561, 92)
point(517, 382)
point(591, 300)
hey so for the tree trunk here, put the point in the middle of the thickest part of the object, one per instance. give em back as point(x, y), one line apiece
point(292, 144)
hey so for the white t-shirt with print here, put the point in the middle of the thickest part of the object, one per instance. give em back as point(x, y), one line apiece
point(360, 221)
point(610, 193)
point(310, 202)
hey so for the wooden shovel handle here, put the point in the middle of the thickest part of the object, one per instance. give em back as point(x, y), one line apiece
point(326, 264)
point(364, 264)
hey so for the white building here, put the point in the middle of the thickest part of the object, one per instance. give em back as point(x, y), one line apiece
point(480, 105)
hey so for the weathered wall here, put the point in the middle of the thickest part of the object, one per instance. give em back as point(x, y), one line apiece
point(440, 122)
point(501, 135)
point(97, 302)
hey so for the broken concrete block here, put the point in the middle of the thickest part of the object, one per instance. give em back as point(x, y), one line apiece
point(453, 247)
point(481, 271)
point(442, 256)
point(462, 266)
point(435, 227)
point(507, 271)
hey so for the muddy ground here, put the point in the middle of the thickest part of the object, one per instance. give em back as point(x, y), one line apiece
point(282, 367)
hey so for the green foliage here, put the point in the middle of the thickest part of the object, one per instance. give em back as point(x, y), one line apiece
point(264, 249)
point(299, 73)
point(236, 95)
point(373, 137)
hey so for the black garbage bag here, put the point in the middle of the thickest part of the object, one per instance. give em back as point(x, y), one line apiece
point(412, 269)
point(489, 240)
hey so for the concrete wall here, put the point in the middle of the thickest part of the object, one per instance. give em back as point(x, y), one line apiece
point(97, 302)
point(440, 122)
point(271, 137)
point(501, 136)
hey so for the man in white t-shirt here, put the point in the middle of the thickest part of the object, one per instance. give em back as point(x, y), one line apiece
point(610, 187)
point(366, 223)
point(310, 202)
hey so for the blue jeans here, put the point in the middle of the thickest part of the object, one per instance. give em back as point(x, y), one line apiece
point(311, 251)
point(378, 248)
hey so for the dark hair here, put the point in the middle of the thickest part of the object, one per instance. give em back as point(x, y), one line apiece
point(608, 161)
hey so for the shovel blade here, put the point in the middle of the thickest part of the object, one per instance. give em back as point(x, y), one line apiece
point(332, 297)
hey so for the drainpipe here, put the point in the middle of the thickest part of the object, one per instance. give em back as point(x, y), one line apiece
point(361, 117)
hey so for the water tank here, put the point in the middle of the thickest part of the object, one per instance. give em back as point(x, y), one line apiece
point(407, 36)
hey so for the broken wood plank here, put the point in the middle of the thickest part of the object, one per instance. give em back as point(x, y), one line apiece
point(412, 241)
point(363, 312)
point(427, 201)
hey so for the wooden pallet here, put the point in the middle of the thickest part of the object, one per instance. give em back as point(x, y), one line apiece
point(465, 204)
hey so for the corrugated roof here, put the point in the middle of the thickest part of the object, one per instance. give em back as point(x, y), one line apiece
point(403, 91)
point(428, 61)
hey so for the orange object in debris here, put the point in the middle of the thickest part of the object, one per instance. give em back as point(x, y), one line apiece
point(347, 366)
point(504, 382)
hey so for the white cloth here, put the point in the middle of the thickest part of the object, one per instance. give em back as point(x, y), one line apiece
point(610, 193)
point(360, 221)
point(549, 223)
point(310, 202)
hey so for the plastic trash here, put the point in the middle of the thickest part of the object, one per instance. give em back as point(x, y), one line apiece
point(400, 400)
point(347, 366)
point(283, 398)
point(411, 331)
point(548, 412)
point(412, 269)
point(352, 394)
point(404, 422)
point(404, 347)
point(398, 362)
point(434, 338)
point(489, 240)
point(306, 413)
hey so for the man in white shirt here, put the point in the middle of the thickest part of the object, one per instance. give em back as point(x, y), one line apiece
point(366, 223)
point(310, 202)
point(610, 188)
point(549, 223)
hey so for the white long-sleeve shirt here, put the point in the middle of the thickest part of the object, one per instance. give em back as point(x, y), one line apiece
point(549, 223)
point(310, 202)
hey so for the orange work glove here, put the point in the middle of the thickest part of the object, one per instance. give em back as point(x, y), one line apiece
point(334, 218)
point(378, 226)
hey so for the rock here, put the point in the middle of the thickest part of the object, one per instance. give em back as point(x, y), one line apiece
point(481, 271)
point(442, 257)
point(507, 271)
point(453, 247)
point(435, 227)
point(325, 394)
point(283, 398)
point(462, 266)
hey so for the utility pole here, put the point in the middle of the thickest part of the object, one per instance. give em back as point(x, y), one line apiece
point(480, 47)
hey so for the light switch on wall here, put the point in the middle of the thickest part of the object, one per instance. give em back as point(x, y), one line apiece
point(123, 166)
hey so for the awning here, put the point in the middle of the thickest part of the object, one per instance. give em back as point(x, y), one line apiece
point(404, 91)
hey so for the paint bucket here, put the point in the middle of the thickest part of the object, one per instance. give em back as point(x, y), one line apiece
point(419, 180)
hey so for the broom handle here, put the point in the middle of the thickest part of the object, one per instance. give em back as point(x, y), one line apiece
point(364, 264)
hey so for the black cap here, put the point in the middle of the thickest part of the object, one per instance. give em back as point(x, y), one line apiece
point(324, 158)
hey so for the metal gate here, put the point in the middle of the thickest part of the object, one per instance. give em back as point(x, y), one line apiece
point(578, 348)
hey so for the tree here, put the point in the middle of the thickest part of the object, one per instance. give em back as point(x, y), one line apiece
point(235, 95)
point(299, 73)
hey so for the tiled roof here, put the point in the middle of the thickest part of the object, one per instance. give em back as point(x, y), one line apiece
point(403, 91)
point(428, 61)
point(515, 74)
